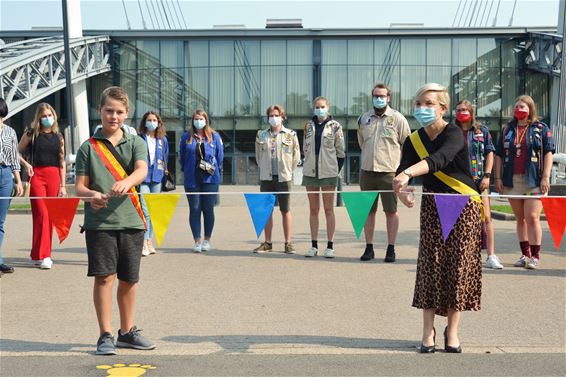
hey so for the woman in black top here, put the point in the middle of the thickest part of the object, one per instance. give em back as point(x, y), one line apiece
point(448, 277)
point(9, 165)
point(45, 149)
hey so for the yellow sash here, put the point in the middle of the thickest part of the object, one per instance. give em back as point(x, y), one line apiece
point(449, 181)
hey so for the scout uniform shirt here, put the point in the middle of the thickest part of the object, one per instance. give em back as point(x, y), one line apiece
point(380, 139)
point(287, 152)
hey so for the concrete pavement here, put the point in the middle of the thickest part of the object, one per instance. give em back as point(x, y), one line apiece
point(231, 312)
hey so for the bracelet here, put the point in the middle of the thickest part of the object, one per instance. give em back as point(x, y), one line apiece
point(498, 179)
point(487, 175)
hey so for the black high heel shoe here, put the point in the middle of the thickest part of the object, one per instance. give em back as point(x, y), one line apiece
point(449, 349)
point(429, 349)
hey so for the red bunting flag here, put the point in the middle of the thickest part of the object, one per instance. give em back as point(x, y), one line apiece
point(554, 209)
point(61, 213)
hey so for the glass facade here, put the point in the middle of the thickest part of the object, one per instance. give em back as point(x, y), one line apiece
point(235, 80)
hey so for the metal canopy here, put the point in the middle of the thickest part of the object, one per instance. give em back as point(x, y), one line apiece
point(33, 69)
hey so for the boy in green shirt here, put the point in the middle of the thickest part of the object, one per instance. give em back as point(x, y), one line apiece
point(108, 167)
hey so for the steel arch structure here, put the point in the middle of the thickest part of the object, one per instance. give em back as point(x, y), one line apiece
point(33, 69)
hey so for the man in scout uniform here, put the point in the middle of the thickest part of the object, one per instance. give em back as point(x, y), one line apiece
point(381, 133)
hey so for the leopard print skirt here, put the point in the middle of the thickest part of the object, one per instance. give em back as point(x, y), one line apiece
point(449, 272)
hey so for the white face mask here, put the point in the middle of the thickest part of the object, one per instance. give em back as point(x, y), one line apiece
point(274, 121)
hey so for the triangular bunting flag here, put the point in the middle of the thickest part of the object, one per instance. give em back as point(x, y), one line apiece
point(358, 204)
point(449, 208)
point(260, 207)
point(61, 213)
point(554, 209)
point(161, 208)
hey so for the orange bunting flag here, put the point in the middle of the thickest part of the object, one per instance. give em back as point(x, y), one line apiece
point(61, 213)
point(554, 211)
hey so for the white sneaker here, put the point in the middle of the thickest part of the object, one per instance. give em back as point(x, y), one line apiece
point(197, 248)
point(493, 262)
point(328, 253)
point(205, 246)
point(522, 262)
point(311, 252)
point(145, 249)
point(533, 264)
point(46, 264)
point(35, 263)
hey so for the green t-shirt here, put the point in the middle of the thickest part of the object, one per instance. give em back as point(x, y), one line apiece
point(120, 213)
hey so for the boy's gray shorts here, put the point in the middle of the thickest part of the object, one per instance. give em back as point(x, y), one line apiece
point(115, 252)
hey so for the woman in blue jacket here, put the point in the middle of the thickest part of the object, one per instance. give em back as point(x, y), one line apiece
point(152, 130)
point(522, 167)
point(201, 153)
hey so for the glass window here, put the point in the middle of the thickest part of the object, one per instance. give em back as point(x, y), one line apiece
point(438, 52)
point(360, 52)
point(247, 90)
point(360, 83)
point(299, 90)
point(489, 55)
point(273, 86)
point(273, 53)
point(196, 89)
point(510, 53)
point(387, 52)
point(246, 53)
point(413, 52)
point(464, 52)
point(333, 52)
point(390, 76)
point(488, 106)
point(537, 86)
point(172, 55)
point(332, 87)
point(410, 86)
point(148, 54)
point(509, 90)
point(440, 75)
point(221, 98)
point(197, 54)
point(221, 53)
point(465, 84)
point(299, 53)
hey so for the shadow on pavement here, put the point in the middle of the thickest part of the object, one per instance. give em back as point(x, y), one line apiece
point(12, 345)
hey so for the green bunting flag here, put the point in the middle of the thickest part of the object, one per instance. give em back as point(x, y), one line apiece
point(358, 205)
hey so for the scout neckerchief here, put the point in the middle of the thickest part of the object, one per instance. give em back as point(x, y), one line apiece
point(449, 181)
point(111, 159)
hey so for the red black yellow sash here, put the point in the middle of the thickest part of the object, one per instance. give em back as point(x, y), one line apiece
point(117, 170)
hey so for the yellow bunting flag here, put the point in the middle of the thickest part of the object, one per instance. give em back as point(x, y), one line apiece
point(161, 208)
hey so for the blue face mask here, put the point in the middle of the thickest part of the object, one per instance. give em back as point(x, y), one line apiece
point(379, 102)
point(321, 112)
point(199, 123)
point(47, 122)
point(151, 126)
point(424, 115)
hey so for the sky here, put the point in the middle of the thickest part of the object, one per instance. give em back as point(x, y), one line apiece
point(115, 14)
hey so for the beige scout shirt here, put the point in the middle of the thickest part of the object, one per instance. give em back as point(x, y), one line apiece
point(288, 154)
point(381, 138)
point(331, 147)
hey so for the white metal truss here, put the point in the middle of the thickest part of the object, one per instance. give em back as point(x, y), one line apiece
point(33, 69)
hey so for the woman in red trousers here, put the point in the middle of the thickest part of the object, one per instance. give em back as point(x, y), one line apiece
point(45, 150)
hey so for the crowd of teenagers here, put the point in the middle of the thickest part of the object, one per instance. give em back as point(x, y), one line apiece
point(457, 158)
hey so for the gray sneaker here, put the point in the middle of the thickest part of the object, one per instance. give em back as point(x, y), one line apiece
point(133, 339)
point(105, 345)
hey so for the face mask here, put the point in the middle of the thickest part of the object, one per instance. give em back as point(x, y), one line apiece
point(521, 114)
point(199, 123)
point(274, 121)
point(321, 112)
point(151, 126)
point(47, 121)
point(379, 102)
point(424, 115)
point(463, 116)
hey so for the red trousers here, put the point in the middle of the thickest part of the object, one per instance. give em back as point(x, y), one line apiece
point(45, 182)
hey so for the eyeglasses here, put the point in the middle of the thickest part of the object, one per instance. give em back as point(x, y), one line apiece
point(461, 110)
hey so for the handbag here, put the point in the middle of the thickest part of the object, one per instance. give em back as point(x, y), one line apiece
point(168, 183)
point(205, 166)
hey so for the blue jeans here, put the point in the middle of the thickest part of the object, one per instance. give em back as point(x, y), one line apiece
point(6, 186)
point(202, 203)
point(144, 189)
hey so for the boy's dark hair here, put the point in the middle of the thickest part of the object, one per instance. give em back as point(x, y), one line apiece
point(3, 108)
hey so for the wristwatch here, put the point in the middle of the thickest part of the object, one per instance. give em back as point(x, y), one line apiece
point(487, 175)
point(408, 172)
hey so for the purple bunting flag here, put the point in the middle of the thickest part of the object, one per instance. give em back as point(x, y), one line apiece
point(449, 208)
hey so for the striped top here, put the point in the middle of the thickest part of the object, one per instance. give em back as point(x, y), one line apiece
point(9, 155)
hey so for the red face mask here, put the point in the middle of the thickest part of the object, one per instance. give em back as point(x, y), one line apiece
point(521, 114)
point(463, 116)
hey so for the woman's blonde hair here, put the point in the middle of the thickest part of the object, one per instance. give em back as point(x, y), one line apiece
point(279, 108)
point(321, 98)
point(533, 116)
point(441, 93)
point(207, 128)
point(36, 124)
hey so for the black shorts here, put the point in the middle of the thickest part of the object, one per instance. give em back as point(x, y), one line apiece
point(283, 200)
point(115, 252)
